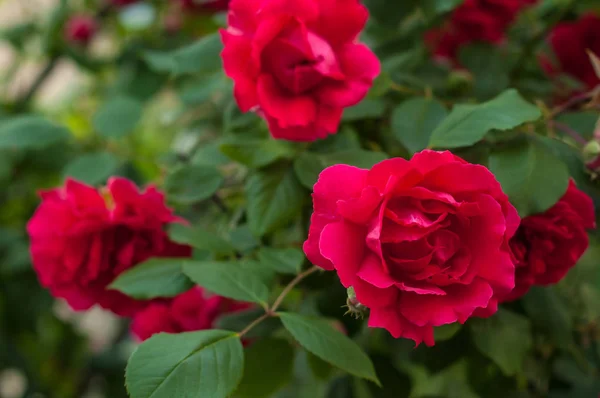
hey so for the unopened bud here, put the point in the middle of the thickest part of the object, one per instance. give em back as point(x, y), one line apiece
point(355, 308)
point(591, 155)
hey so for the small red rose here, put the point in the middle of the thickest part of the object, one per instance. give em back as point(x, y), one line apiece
point(570, 42)
point(298, 62)
point(81, 29)
point(547, 245)
point(83, 238)
point(423, 242)
point(190, 311)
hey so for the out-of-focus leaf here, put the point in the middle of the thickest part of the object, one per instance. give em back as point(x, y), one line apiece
point(118, 117)
point(531, 175)
point(366, 109)
point(209, 363)
point(414, 120)
point(548, 312)
point(93, 168)
point(191, 184)
point(489, 67)
point(30, 132)
point(200, 239)
point(256, 153)
point(286, 261)
point(467, 124)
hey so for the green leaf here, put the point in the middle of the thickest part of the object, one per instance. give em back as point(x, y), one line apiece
point(549, 313)
point(433, 8)
point(321, 339)
point(446, 332)
point(268, 367)
point(488, 63)
point(192, 183)
point(257, 153)
point(414, 120)
point(200, 57)
point(209, 363)
point(92, 168)
point(531, 175)
point(309, 165)
point(229, 280)
point(157, 277)
point(275, 197)
point(366, 109)
point(239, 320)
point(468, 124)
point(285, 261)
point(118, 117)
point(505, 338)
point(200, 239)
point(30, 132)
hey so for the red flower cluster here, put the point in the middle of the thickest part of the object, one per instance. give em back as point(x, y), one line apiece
point(474, 20)
point(570, 42)
point(297, 62)
point(547, 245)
point(80, 29)
point(423, 242)
point(83, 238)
point(427, 242)
point(190, 311)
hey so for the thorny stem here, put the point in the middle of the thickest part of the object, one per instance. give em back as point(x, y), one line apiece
point(270, 312)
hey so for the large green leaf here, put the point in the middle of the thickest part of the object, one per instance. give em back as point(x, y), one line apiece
point(531, 175)
point(203, 364)
point(275, 197)
point(467, 124)
point(268, 367)
point(321, 339)
point(118, 117)
point(549, 313)
point(505, 338)
point(200, 239)
point(229, 280)
point(92, 168)
point(286, 261)
point(414, 120)
point(30, 132)
point(157, 277)
point(366, 109)
point(192, 183)
point(199, 57)
point(309, 165)
point(257, 153)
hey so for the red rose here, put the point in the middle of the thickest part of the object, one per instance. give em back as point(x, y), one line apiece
point(570, 40)
point(190, 311)
point(547, 245)
point(474, 20)
point(298, 63)
point(205, 5)
point(80, 29)
point(423, 242)
point(82, 238)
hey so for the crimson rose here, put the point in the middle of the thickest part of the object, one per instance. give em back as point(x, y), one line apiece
point(82, 238)
point(80, 29)
point(190, 311)
point(423, 242)
point(547, 245)
point(297, 62)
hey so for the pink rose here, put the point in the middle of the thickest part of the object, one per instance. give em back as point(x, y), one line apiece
point(423, 242)
point(190, 311)
point(547, 245)
point(83, 238)
point(298, 62)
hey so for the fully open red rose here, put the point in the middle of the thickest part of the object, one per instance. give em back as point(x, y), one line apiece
point(297, 62)
point(82, 238)
point(423, 242)
point(547, 245)
point(80, 29)
point(474, 21)
point(570, 40)
point(190, 311)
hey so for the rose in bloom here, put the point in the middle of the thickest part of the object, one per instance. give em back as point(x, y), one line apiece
point(474, 21)
point(423, 242)
point(297, 62)
point(204, 5)
point(547, 245)
point(190, 311)
point(81, 29)
point(570, 40)
point(82, 238)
